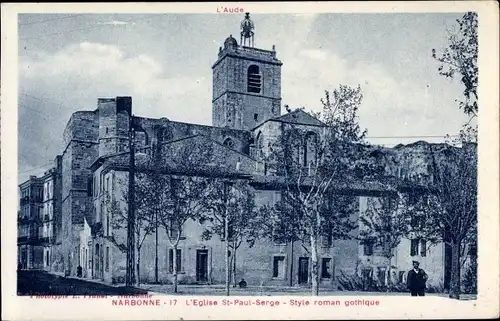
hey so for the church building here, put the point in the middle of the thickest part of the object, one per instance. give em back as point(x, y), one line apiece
point(247, 116)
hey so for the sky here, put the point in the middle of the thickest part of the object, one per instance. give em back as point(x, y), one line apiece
point(67, 61)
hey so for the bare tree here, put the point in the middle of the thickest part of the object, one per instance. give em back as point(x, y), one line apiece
point(460, 58)
point(234, 216)
point(314, 165)
point(174, 195)
point(144, 223)
point(178, 199)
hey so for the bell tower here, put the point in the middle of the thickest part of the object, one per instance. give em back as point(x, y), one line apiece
point(246, 83)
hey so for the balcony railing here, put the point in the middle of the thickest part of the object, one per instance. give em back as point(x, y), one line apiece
point(35, 240)
point(42, 240)
point(30, 200)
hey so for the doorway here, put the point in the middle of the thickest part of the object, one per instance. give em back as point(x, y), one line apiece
point(202, 266)
point(303, 270)
point(97, 270)
point(24, 258)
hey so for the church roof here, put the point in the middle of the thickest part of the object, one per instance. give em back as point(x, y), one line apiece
point(297, 116)
point(190, 155)
point(352, 186)
point(204, 140)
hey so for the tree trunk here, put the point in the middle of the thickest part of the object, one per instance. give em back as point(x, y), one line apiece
point(388, 276)
point(234, 266)
point(314, 268)
point(156, 248)
point(137, 250)
point(227, 256)
point(291, 263)
point(137, 272)
point(174, 268)
point(455, 271)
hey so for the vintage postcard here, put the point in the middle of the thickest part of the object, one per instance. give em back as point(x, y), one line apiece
point(250, 161)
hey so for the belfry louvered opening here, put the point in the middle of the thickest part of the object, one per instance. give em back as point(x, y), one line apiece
point(254, 81)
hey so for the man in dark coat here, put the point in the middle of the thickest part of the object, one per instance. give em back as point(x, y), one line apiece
point(416, 280)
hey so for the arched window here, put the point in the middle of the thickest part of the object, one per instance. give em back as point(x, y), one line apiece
point(259, 144)
point(229, 142)
point(254, 79)
point(310, 147)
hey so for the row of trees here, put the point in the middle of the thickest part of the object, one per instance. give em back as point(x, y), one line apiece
point(166, 202)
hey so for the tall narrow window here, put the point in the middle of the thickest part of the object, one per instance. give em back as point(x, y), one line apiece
point(174, 230)
point(423, 247)
point(254, 80)
point(107, 184)
point(259, 145)
point(171, 260)
point(310, 148)
point(327, 238)
point(107, 222)
point(368, 247)
point(89, 186)
point(278, 267)
point(414, 247)
point(107, 258)
point(326, 268)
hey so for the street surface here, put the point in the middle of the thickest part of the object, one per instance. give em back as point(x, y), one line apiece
point(43, 283)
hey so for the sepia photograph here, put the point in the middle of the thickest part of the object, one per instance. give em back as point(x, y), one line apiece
point(244, 154)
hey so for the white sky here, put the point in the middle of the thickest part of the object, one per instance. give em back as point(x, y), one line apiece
point(164, 62)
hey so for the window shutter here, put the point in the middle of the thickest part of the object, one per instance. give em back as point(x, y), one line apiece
point(414, 247)
point(423, 247)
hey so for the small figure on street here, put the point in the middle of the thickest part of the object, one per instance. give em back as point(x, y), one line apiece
point(242, 283)
point(416, 280)
point(79, 271)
